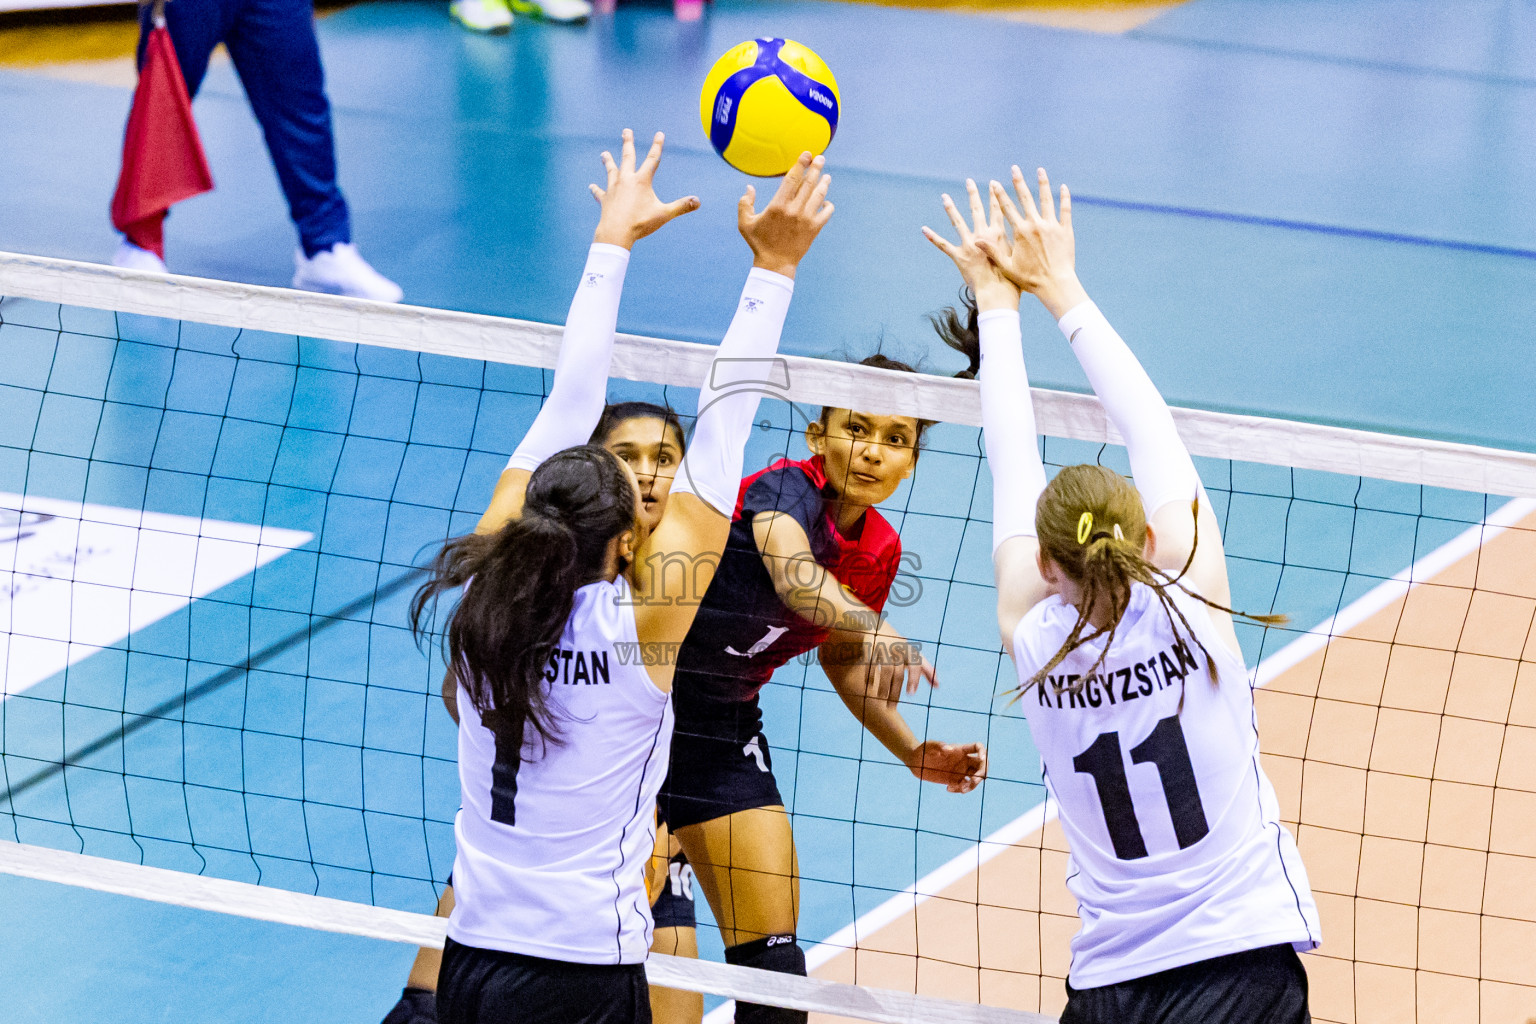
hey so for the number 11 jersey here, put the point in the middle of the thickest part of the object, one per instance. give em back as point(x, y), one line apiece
point(1177, 850)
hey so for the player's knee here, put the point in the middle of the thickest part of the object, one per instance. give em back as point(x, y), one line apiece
point(780, 954)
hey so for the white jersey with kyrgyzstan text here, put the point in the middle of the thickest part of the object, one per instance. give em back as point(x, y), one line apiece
point(1177, 851)
point(553, 838)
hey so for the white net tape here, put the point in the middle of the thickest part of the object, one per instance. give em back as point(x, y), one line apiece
point(319, 912)
point(814, 381)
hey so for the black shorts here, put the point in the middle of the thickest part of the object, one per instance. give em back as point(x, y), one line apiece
point(1260, 986)
point(720, 761)
point(486, 986)
point(674, 907)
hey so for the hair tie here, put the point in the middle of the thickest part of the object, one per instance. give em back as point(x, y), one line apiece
point(1084, 527)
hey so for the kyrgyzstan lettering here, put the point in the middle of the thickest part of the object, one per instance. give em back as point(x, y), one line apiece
point(1112, 686)
point(576, 668)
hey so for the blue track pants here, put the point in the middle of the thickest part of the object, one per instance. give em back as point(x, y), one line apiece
point(276, 55)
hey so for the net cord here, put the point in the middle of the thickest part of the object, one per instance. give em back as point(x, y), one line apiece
point(814, 381)
point(280, 906)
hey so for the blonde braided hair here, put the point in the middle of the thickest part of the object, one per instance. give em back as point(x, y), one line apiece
point(1090, 522)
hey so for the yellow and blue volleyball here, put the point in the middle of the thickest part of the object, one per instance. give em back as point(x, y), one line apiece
point(767, 101)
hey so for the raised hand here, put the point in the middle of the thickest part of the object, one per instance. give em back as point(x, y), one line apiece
point(1043, 260)
point(987, 231)
point(630, 207)
point(781, 235)
point(960, 767)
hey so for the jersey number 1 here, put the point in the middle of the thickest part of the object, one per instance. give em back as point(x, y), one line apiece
point(509, 757)
point(1165, 747)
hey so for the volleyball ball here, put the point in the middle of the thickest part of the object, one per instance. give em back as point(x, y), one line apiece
point(767, 101)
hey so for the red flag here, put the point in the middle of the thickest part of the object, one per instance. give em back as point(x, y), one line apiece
point(163, 161)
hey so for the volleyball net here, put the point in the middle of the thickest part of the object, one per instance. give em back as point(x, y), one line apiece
point(216, 499)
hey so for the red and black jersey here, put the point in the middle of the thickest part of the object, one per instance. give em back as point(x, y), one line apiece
point(743, 631)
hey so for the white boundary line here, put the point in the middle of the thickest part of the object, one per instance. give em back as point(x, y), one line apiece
point(816, 381)
point(320, 912)
point(1387, 591)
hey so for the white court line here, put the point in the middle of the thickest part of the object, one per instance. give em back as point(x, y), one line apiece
point(78, 578)
point(1384, 593)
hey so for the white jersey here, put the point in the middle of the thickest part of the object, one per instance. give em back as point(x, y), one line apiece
point(553, 840)
point(1177, 851)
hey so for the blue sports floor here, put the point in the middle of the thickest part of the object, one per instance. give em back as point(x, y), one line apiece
point(1311, 209)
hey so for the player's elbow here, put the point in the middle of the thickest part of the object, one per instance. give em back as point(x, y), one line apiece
point(1007, 625)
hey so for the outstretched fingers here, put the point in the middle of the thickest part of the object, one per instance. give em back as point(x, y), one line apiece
point(955, 218)
point(627, 153)
point(941, 243)
point(1047, 207)
point(808, 185)
point(746, 208)
point(922, 670)
point(1066, 208)
point(790, 186)
point(995, 209)
point(678, 207)
point(652, 158)
point(1015, 219)
point(1022, 188)
point(817, 204)
point(611, 170)
point(978, 212)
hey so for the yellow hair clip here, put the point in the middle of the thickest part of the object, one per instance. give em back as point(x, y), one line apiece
point(1084, 527)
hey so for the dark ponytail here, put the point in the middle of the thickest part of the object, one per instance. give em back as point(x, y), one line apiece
point(520, 584)
point(962, 335)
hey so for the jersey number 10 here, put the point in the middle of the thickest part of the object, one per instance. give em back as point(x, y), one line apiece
point(1165, 747)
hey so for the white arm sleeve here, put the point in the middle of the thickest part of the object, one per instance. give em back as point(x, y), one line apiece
point(1160, 463)
point(575, 402)
point(1008, 427)
point(744, 367)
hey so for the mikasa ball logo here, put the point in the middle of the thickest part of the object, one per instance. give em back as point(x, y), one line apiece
point(821, 98)
point(723, 109)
